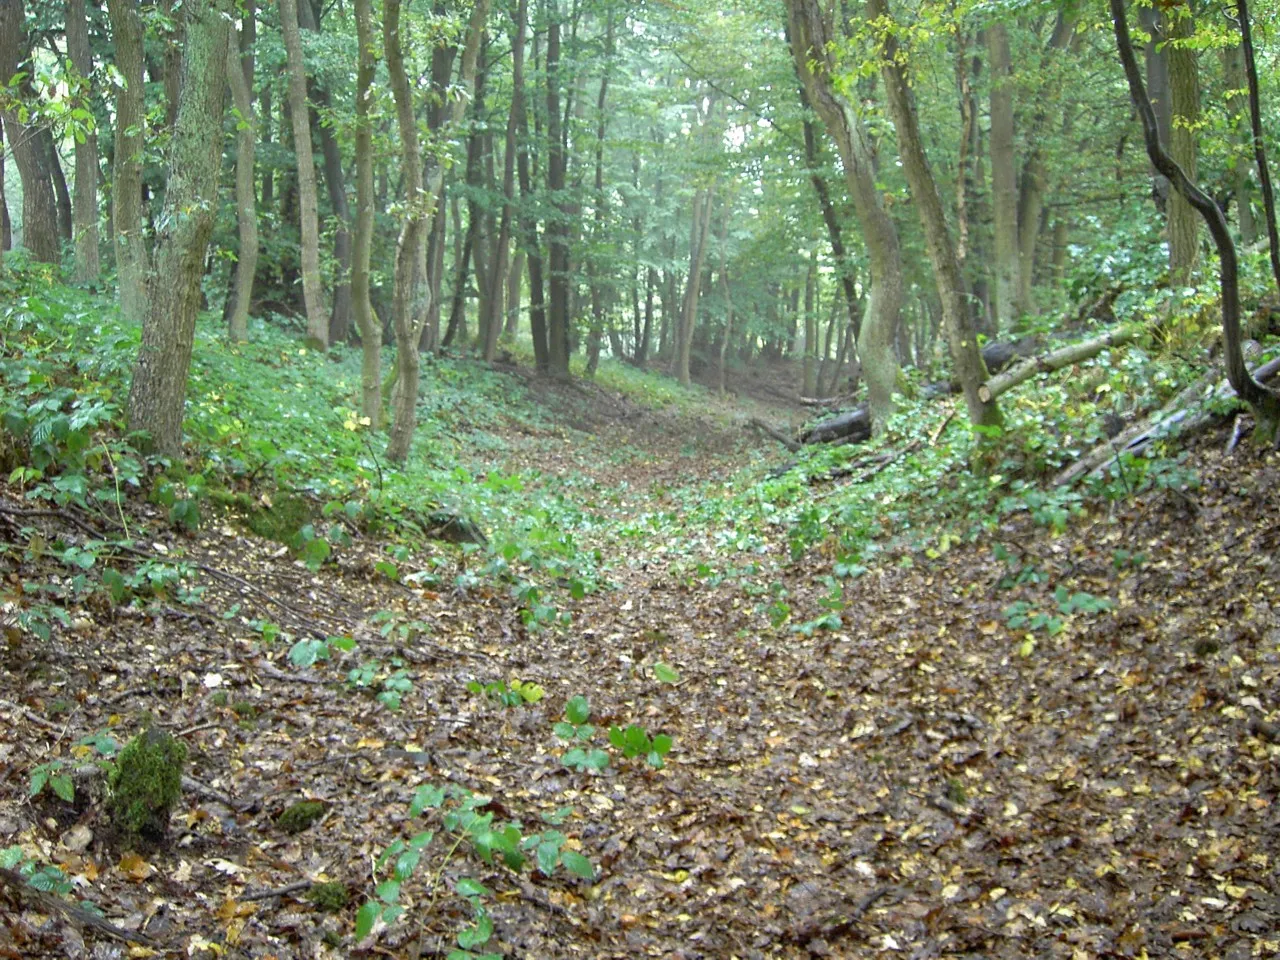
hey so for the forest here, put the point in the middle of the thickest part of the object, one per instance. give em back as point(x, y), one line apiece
point(483, 479)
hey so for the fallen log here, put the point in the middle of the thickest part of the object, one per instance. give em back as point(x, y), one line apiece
point(767, 430)
point(1186, 414)
point(851, 426)
point(1056, 360)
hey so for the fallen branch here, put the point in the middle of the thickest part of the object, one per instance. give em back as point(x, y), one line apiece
point(776, 435)
point(76, 915)
point(1056, 360)
point(284, 891)
point(1186, 414)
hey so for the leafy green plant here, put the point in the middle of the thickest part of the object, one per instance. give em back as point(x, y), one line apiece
point(518, 694)
point(1079, 602)
point(634, 741)
point(311, 650)
point(53, 775)
point(391, 687)
point(577, 729)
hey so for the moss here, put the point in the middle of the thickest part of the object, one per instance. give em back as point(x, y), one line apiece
point(283, 520)
point(299, 816)
point(245, 710)
point(331, 896)
point(145, 786)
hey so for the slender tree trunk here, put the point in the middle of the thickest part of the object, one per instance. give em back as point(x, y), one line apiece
point(728, 299)
point(1184, 87)
point(241, 293)
point(132, 259)
point(515, 284)
point(500, 279)
point(1004, 183)
point(698, 230)
point(811, 43)
point(1157, 57)
point(85, 208)
point(366, 323)
point(600, 202)
point(335, 185)
point(158, 391)
point(528, 224)
point(809, 377)
point(39, 207)
point(424, 184)
point(966, 358)
point(1259, 154)
point(267, 123)
point(6, 224)
point(1265, 403)
point(557, 229)
point(1241, 163)
point(308, 208)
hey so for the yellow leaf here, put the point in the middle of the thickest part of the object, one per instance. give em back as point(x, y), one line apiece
point(134, 867)
point(996, 893)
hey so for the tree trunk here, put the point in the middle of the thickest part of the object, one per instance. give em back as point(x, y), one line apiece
point(132, 258)
point(1241, 161)
point(1073, 353)
point(557, 229)
point(600, 202)
point(366, 323)
point(424, 184)
point(811, 43)
point(308, 210)
point(1004, 183)
point(529, 225)
point(1184, 87)
point(241, 292)
point(1157, 57)
point(515, 284)
point(6, 224)
point(158, 391)
point(85, 208)
point(1259, 154)
point(39, 208)
point(698, 231)
point(809, 376)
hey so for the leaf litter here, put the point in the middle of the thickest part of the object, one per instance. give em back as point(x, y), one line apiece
point(907, 782)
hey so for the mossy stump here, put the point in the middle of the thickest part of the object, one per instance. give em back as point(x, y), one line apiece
point(145, 786)
point(329, 897)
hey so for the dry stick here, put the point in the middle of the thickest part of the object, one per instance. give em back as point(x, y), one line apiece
point(78, 916)
point(31, 715)
point(776, 435)
point(209, 793)
point(278, 892)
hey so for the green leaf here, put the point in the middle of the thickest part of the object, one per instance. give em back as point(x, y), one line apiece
point(548, 856)
point(578, 710)
point(665, 673)
point(10, 857)
point(426, 796)
point(577, 864)
point(366, 917)
point(63, 787)
point(472, 888)
point(479, 934)
point(38, 780)
point(564, 730)
point(388, 891)
point(617, 738)
point(597, 759)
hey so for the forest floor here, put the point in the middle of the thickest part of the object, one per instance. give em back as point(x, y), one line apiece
point(906, 782)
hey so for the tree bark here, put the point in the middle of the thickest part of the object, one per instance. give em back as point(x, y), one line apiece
point(241, 292)
point(1241, 162)
point(85, 208)
point(6, 224)
point(1184, 88)
point(809, 365)
point(811, 40)
point(424, 183)
point(1057, 359)
point(366, 323)
point(132, 258)
point(39, 208)
point(529, 224)
point(698, 230)
point(965, 355)
point(1004, 183)
point(1157, 61)
point(158, 390)
point(308, 208)
point(557, 229)
point(1265, 403)
point(1259, 154)
point(335, 185)
point(600, 203)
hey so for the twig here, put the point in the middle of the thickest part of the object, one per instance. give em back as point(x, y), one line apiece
point(1237, 430)
point(775, 434)
point(274, 673)
point(284, 891)
point(209, 793)
point(941, 427)
point(31, 715)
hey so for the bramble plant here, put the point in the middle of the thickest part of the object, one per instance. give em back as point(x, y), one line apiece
point(519, 693)
point(391, 686)
point(309, 651)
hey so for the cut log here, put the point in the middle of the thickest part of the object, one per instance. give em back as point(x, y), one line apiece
point(852, 426)
point(1057, 359)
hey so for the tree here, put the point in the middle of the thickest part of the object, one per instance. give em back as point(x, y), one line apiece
point(158, 391)
point(240, 81)
point(312, 292)
point(965, 355)
point(1184, 88)
point(811, 45)
point(39, 211)
point(85, 208)
point(133, 261)
point(362, 308)
point(1004, 183)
